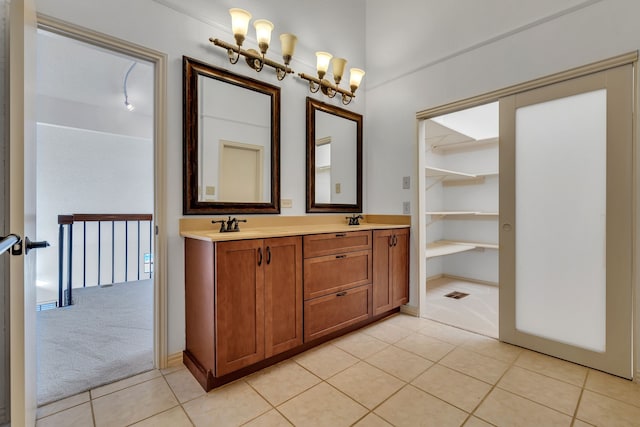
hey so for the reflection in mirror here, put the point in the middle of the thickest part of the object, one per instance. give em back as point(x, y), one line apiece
point(334, 159)
point(231, 142)
point(234, 153)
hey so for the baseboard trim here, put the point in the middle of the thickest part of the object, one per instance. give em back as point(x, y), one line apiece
point(174, 359)
point(636, 378)
point(410, 310)
point(466, 279)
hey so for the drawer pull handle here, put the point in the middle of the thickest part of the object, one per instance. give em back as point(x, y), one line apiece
point(268, 255)
point(341, 235)
point(259, 257)
point(341, 294)
point(340, 256)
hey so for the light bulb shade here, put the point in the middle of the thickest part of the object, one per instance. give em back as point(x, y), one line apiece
point(239, 24)
point(322, 66)
point(288, 43)
point(355, 77)
point(337, 65)
point(263, 33)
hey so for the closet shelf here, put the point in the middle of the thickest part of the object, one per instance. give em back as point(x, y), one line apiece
point(460, 213)
point(432, 172)
point(448, 247)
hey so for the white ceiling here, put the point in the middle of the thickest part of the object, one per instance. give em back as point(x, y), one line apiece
point(86, 75)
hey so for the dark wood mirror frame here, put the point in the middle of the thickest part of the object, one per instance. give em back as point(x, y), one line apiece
point(192, 69)
point(313, 106)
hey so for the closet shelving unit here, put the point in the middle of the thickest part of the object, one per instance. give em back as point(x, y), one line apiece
point(448, 177)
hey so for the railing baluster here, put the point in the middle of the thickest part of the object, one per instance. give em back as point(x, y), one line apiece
point(99, 249)
point(113, 251)
point(70, 266)
point(84, 254)
point(126, 250)
point(138, 258)
point(60, 262)
point(150, 251)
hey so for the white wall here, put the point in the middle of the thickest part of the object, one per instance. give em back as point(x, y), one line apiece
point(83, 171)
point(458, 53)
point(334, 26)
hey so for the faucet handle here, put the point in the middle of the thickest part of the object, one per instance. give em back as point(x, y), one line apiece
point(237, 226)
point(221, 222)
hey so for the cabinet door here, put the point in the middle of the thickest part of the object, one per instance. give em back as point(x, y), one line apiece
point(382, 290)
point(283, 294)
point(239, 301)
point(399, 274)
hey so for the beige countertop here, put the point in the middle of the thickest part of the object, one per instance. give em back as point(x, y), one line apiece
point(263, 232)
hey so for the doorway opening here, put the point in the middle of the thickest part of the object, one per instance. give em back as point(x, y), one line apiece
point(95, 205)
point(461, 211)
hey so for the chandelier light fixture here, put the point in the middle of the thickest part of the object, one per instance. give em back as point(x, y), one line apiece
point(325, 59)
point(240, 19)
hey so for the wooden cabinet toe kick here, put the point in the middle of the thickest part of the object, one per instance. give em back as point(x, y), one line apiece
point(208, 381)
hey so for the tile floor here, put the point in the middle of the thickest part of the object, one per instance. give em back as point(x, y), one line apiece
point(477, 312)
point(402, 371)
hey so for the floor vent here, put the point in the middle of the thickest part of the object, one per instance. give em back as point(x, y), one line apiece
point(456, 295)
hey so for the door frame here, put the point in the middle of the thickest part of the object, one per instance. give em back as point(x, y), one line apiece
point(494, 96)
point(159, 60)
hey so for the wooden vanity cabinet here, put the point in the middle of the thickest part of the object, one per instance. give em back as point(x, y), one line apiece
point(337, 281)
point(243, 301)
point(391, 269)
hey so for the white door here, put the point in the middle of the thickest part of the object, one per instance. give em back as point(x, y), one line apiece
point(22, 196)
point(566, 212)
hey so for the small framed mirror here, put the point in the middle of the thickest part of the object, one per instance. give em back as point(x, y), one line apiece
point(334, 158)
point(231, 146)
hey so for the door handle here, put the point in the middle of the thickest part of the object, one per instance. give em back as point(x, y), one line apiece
point(28, 245)
point(268, 255)
point(259, 257)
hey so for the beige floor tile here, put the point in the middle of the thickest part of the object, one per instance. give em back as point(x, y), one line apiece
point(578, 423)
point(412, 323)
point(326, 361)
point(172, 418)
point(272, 418)
point(453, 387)
point(133, 404)
point(412, 407)
point(476, 365)
point(360, 345)
point(122, 384)
point(493, 348)
point(63, 404)
point(283, 381)
point(172, 369)
point(372, 420)
point(427, 347)
point(552, 367)
point(77, 416)
point(231, 405)
point(547, 391)
point(603, 411)
point(400, 363)
point(446, 333)
point(322, 405)
point(615, 387)
point(387, 332)
point(476, 422)
point(366, 384)
point(184, 385)
point(506, 409)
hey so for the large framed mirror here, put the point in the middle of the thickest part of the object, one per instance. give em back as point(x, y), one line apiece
point(334, 158)
point(231, 146)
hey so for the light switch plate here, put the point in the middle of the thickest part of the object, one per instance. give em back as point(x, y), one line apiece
point(406, 208)
point(210, 190)
point(286, 203)
point(406, 182)
point(338, 188)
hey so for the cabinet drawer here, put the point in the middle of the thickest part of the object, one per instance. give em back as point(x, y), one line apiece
point(330, 313)
point(334, 273)
point(335, 243)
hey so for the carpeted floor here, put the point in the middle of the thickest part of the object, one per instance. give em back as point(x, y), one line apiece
point(105, 336)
